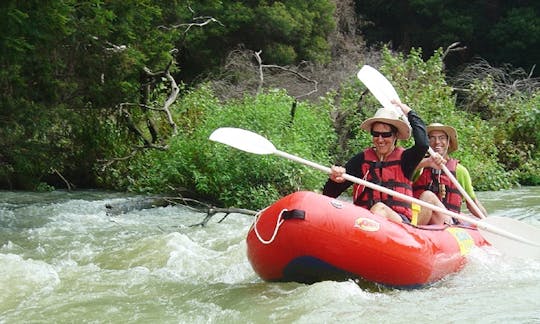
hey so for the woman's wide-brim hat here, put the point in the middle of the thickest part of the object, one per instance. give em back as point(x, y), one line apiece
point(391, 117)
point(449, 130)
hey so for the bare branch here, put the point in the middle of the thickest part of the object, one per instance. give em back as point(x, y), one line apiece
point(175, 90)
point(532, 71)
point(173, 95)
point(454, 47)
point(69, 185)
point(506, 80)
point(112, 47)
point(261, 75)
point(136, 149)
point(109, 162)
point(285, 69)
point(200, 21)
point(115, 48)
point(133, 104)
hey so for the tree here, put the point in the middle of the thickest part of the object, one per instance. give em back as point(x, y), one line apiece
point(286, 32)
point(80, 80)
point(65, 66)
point(498, 31)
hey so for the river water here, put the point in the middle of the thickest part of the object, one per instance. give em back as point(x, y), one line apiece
point(63, 260)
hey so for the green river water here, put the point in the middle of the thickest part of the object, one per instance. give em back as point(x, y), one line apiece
point(64, 260)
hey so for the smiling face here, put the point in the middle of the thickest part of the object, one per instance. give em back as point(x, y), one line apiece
point(438, 140)
point(383, 145)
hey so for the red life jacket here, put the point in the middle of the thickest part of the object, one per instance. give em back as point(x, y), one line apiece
point(388, 174)
point(432, 180)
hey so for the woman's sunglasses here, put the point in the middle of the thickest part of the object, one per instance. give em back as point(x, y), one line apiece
point(383, 134)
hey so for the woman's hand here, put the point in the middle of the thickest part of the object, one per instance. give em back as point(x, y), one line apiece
point(404, 108)
point(337, 174)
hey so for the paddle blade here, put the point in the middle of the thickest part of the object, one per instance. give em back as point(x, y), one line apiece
point(510, 246)
point(243, 140)
point(378, 85)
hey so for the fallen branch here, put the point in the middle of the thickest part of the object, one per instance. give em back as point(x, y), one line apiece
point(227, 211)
point(123, 207)
point(211, 210)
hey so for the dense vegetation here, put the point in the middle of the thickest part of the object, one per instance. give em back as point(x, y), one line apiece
point(109, 95)
point(76, 73)
point(500, 31)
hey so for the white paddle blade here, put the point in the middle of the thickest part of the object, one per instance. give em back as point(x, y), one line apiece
point(243, 140)
point(378, 85)
point(381, 89)
point(513, 247)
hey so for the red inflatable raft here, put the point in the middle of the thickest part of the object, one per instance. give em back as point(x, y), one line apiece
point(306, 237)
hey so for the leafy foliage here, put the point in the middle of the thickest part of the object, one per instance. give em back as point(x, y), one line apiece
point(75, 81)
point(286, 32)
point(517, 123)
point(498, 31)
point(65, 66)
point(231, 177)
point(426, 90)
point(512, 111)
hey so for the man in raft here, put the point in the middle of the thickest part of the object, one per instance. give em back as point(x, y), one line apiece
point(384, 163)
point(434, 186)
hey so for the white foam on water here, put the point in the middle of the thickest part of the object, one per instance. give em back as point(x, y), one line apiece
point(21, 279)
point(66, 259)
point(190, 260)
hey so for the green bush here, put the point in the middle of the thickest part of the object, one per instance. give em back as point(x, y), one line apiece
point(231, 177)
point(518, 121)
point(496, 156)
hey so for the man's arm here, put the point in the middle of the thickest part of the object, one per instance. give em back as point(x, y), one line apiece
point(464, 179)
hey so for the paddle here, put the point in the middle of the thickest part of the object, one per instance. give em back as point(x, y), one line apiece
point(253, 143)
point(383, 90)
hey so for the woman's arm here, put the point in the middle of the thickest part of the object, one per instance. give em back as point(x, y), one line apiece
point(414, 155)
point(352, 167)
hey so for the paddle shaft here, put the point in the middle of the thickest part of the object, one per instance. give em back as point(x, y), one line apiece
point(422, 203)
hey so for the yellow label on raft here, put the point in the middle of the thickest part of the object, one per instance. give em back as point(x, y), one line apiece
point(415, 210)
point(463, 239)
